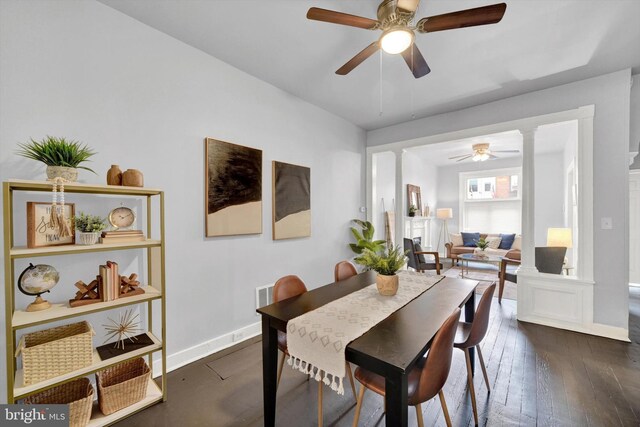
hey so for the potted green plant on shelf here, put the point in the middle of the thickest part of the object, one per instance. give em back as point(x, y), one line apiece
point(364, 238)
point(482, 244)
point(412, 210)
point(63, 157)
point(88, 228)
point(386, 263)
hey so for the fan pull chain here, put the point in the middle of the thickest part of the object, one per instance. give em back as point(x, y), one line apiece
point(380, 88)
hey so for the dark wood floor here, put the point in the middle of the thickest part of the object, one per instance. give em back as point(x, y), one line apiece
point(540, 376)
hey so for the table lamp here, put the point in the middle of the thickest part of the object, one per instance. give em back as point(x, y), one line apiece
point(444, 214)
point(561, 238)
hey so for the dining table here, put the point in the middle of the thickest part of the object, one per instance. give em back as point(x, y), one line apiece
point(390, 348)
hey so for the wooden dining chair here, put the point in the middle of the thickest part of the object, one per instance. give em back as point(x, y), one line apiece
point(344, 270)
point(286, 287)
point(469, 335)
point(427, 377)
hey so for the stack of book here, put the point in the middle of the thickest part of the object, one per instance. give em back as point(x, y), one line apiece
point(123, 236)
point(110, 278)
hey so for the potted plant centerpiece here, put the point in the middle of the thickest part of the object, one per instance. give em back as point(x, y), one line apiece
point(386, 263)
point(62, 157)
point(88, 228)
point(482, 244)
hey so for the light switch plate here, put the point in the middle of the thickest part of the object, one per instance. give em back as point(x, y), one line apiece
point(606, 223)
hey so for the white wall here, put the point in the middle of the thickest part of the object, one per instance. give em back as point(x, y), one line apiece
point(610, 94)
point(549, 203)
point(143, 99)
point(385, 189)
point(449, 185)
point(634, 133)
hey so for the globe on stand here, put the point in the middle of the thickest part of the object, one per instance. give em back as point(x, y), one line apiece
point(36, 280)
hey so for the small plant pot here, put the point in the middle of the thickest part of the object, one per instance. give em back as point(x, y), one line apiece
point(68, 174)
point(88, 238)
point(412, 214)
point(387, 285)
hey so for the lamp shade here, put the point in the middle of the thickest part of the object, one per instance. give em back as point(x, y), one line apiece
point(559, 237)
point(444, 213)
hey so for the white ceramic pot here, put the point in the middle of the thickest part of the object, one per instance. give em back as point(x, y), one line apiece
point(68, 174)
point(387, 285)
point(87, 238)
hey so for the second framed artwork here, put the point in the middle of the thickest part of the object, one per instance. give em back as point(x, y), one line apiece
point(291, 201)
point(233, 187)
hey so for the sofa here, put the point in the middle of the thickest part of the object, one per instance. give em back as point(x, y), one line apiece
point(455, 247)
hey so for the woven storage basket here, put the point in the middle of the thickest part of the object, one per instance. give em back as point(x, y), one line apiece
point(122, 385)
point(78, 394)
point(55, 351)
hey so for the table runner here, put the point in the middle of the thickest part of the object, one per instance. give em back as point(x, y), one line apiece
point(317, 340)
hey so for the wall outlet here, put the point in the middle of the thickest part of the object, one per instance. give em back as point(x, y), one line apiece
point(237, 336)
point(606, 223)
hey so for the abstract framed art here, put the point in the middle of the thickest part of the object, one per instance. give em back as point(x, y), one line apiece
point(291, 201)
point(233, 189)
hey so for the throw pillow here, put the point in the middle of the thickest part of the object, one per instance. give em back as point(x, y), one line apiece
point(506, 241)
point(470, 239)
point(494, 242)
point(517, 243)
point(456, 239)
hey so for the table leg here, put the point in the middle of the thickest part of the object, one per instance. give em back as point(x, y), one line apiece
point(469, 314)
point(269, 371)
point(396, 400)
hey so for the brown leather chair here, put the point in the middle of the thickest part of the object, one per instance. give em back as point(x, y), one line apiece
point(344, 270)
point(470, 335)
point(427, 377)
point(286, 287)
point(549, 259)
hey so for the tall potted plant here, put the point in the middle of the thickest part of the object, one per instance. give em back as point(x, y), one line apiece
point(364, 238)
point(386, 264)
point(62, 157)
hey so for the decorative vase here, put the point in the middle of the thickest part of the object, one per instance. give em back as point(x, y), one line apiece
point(114, 175)
point(132, 178)
point(387, 285)
point(90, 238)
point(68, 174)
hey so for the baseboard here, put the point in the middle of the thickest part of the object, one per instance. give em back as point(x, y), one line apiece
point(191, 354)
point(598, 329)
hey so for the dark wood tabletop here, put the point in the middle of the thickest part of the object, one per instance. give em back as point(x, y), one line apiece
point(390, 348)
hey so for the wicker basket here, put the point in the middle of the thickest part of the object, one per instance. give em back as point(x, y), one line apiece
point(55, 351)
point(122, 385)
point(78, 394)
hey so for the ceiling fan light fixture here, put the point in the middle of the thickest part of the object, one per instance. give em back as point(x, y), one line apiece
point(480, 157)
point(396, 39)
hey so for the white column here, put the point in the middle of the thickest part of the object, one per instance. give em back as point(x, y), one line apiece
point(527, 192)
point(584, 174)
point(400, 199)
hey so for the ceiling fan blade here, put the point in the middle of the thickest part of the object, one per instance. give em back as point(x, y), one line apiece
point(492, 157)
point(409, 6)
point(333, 17)
point(415, 61)
point(463, 18)
point(468, 156)
point(359, 58)
point(505, 151)
point(457, 157)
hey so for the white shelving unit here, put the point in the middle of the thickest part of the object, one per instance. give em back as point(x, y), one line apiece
point(155, 290)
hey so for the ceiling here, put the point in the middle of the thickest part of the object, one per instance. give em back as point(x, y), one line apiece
point(538, 44)
point(551, 138)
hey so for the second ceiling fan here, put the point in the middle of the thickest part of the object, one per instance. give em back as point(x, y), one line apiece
point(398, 35)
point(481, 152)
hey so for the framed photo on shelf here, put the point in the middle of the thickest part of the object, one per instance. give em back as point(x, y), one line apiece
point(39, 231)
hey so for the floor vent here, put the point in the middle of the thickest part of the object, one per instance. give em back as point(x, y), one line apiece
point(264, 295)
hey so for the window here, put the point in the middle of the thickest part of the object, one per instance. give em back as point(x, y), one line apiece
point(490, 201)
point(504, 187)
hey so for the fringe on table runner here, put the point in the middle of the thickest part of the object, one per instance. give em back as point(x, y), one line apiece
point(306, 368)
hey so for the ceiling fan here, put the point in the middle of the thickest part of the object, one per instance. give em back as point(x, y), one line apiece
point(398, 35)
point(481, 152)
